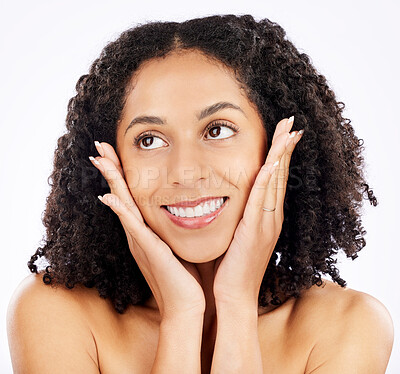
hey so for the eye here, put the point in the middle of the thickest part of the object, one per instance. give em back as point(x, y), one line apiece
point(148, 140)
point(219, 130)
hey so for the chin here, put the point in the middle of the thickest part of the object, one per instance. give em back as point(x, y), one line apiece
point(199, 250)
point(198, 257)
point(197, 245)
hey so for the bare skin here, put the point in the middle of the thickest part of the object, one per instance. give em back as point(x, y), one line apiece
point(203, 316)
point(60, 326)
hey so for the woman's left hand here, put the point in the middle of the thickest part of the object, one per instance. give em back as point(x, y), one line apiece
point(239, 272)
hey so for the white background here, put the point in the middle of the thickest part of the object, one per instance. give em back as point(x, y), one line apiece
point(47, 45)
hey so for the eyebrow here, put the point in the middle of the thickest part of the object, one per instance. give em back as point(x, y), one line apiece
point(206, 112)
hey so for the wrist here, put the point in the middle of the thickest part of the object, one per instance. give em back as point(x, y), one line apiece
point(243, 298)
point(243, 305)
point(172, 314)
point(242, 313)
point(178, 320)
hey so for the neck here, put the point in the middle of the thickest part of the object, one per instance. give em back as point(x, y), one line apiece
point(206, 272)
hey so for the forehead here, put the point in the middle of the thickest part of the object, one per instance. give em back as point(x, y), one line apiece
point(182, 77)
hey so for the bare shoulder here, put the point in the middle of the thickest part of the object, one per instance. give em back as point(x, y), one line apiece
point(48, 330)
point(343, 305)
point(352, 331)
point(33, 296)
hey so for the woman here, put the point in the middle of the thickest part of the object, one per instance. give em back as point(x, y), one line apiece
point(206, 248)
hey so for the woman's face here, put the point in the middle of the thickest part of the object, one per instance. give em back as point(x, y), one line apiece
point(187, 132)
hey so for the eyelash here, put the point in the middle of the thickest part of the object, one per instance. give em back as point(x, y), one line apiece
point(146, 134)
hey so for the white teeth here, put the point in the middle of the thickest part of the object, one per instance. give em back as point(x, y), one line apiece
point(204, 208)
point(181, 213)
point(212, 205)
point(189, 212)
point(198, 211)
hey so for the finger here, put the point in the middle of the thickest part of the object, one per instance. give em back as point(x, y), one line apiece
point(274, 155)
point(283, 174)
point(251, 215)
point(137, 234)
point(130, 222)
point(144, 237)
point(276, 184)
point(277, 148)
point(253, 211)
point(117, 183)
point(270, 197)
point(280, 186)
point(106, 150)
point(283, 126)
point(281, 132)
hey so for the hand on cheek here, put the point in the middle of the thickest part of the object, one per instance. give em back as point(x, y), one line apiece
point(176, 285)
point(239, 273)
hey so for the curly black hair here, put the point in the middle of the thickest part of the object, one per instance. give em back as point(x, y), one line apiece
point(85, 242)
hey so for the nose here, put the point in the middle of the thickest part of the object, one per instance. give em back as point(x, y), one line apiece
point(187, 165)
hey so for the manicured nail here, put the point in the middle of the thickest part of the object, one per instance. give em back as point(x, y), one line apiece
point(273, 167)
point(91, 158)
point(301, 132)
point(99, 148)
point(100, 198)
point(291, 136)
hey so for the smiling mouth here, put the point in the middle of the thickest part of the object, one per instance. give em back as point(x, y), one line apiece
point(203, 209)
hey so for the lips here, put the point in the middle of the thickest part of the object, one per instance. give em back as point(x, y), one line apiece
point(186, 215)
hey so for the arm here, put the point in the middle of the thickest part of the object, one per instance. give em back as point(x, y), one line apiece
point(179, 346)
point(175, 284)
point(237, 348)
point(239, 274)
point(47, 332)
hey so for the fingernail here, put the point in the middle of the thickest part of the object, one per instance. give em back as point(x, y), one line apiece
point(273, 167)
point(91, 158)
point(301, 132)
point(291, 136)
point(100, 198)
point(99, 148)
point(290, 120)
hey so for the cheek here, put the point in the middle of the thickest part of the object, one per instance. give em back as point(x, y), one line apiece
point(244, 170)
point(142, 181)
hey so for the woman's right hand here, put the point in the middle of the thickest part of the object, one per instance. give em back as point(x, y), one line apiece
point(175, 284)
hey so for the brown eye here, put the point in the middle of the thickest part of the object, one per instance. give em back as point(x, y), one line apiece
point(222, 131)
point(147, 142)
point(215, 131)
